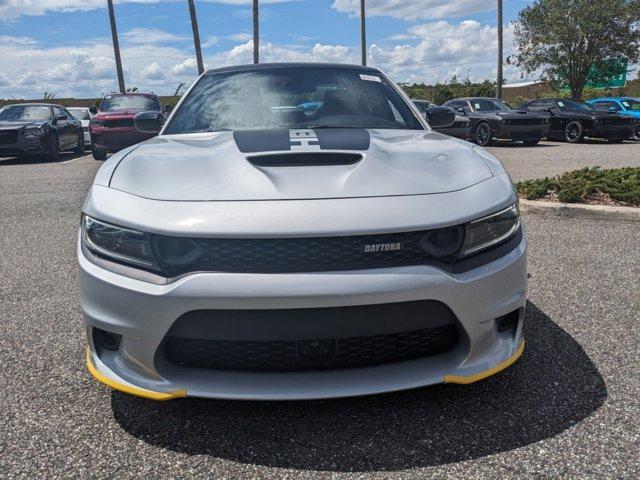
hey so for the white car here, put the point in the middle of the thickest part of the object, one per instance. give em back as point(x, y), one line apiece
point(252, 251)
point(84, 117)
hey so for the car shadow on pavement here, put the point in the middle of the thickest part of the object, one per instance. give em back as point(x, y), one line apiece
point(551, 388)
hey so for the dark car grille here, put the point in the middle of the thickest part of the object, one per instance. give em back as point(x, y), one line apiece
point(528, 121)
point(8, 137)
point(287, 255)
point(617, 121)
point(118, 122)
point(351, 340)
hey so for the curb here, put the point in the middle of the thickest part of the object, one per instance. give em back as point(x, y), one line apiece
point(576, 210)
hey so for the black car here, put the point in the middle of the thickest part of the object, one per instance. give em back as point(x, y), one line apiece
point(460, 128)
point(573, 120)
point(492, 118)
point(39, 129)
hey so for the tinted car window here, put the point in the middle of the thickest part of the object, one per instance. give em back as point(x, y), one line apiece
point(631, 104)
point(423, 106)
point(278, 98)
point(486, 105)
point(570, 105)
point(539, 106)
point(128, 102)
point(80, 114)
point(25, 112)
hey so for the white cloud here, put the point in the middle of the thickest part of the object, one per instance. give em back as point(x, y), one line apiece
point(415, 9)
point(152, 35)
point(185, 69)
point(10, 9)
point(241, 37)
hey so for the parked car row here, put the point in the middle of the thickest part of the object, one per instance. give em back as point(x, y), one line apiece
point(613, 119)
point(44, 130)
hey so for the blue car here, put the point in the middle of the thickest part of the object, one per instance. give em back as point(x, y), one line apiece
point(628, 106)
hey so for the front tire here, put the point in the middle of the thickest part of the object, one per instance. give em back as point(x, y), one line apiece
point(573, 132)
point(54, 149)
point(80, 145)
point(99, 153)
point(482, 135)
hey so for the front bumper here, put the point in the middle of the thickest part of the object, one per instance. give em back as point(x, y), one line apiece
point(115, 139)
point(522, 132)
point(611, 131)
point(144, 312)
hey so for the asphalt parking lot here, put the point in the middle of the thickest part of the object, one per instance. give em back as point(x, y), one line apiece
point(570, 407)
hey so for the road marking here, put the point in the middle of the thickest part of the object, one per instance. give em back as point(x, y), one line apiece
point(74, 159)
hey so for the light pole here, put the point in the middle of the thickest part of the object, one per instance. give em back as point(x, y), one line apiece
point(196, 37)
point(256, 33)
point(363, 33)
point(500, 51)
point(116, 47)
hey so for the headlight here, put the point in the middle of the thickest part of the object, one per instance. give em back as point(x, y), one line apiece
point(489, 231)
point(120, 244)
point(505, 121)
point(33, 132)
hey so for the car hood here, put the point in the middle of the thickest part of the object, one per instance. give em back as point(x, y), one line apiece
point(12, 125)
point(248, 165)
point(118, 114)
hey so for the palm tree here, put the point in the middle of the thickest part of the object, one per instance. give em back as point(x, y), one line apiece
point(256, 33)
point(363, 33)
point(116, 46)
point(196, 37)
point(500, 51)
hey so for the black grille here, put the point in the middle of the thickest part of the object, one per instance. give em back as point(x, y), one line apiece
point(118, 122)
point(286, 255)
point(285, 340)
point(528, 121)
point(310, 355)
point(617, 121)
point(8, 137)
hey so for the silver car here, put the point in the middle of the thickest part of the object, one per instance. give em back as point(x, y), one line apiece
point(298, 231)
point(84, 117)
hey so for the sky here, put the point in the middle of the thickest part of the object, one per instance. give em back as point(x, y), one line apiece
point(64, 46)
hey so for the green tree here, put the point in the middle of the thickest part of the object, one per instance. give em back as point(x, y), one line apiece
point(568, 40)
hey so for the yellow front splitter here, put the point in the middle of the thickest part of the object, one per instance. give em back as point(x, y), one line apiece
point(138, 392)
point(466, 380)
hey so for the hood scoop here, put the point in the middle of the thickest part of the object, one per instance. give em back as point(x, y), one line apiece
point(305, 159)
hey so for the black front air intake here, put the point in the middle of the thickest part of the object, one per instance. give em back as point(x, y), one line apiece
point(290, 340)
point(304, 159)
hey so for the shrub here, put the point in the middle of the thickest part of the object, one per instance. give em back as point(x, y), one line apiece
point(621, 184)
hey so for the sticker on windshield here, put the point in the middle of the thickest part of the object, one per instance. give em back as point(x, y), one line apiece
point(477, 105)
point(560, 104)
point(626, 104)
point(370, 78)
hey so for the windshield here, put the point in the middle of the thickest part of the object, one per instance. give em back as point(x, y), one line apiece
point(128, 102)
point(631, 104)
point(292, 98)
point(80, 113)
point(488, 105)
point(571, 105)
point(423, 105)
point(26, 112)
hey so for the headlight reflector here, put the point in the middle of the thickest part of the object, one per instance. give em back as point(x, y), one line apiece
point(120, 244)
point(33, 132)
point(489, 231)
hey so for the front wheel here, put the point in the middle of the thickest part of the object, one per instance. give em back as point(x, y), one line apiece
point(99, 153)
point(573, 132)
point(483, 134)
point(54, 149)
point(80, 144)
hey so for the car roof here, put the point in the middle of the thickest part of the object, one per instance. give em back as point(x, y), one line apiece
point(130, 94)
point(269, 66)
point(613, 98)
point(476, 98)
point(34, 104)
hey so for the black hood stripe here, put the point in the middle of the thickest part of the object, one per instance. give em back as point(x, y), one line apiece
point(253, 141)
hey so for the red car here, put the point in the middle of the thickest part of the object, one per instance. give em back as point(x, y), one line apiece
point(112, 126)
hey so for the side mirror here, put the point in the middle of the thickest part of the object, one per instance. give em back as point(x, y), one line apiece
point(149, 122)
point(167, 109)
point(549, 110)
point(441, 117)
point(93, 109)
point(462, 111)
point(613, 110)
